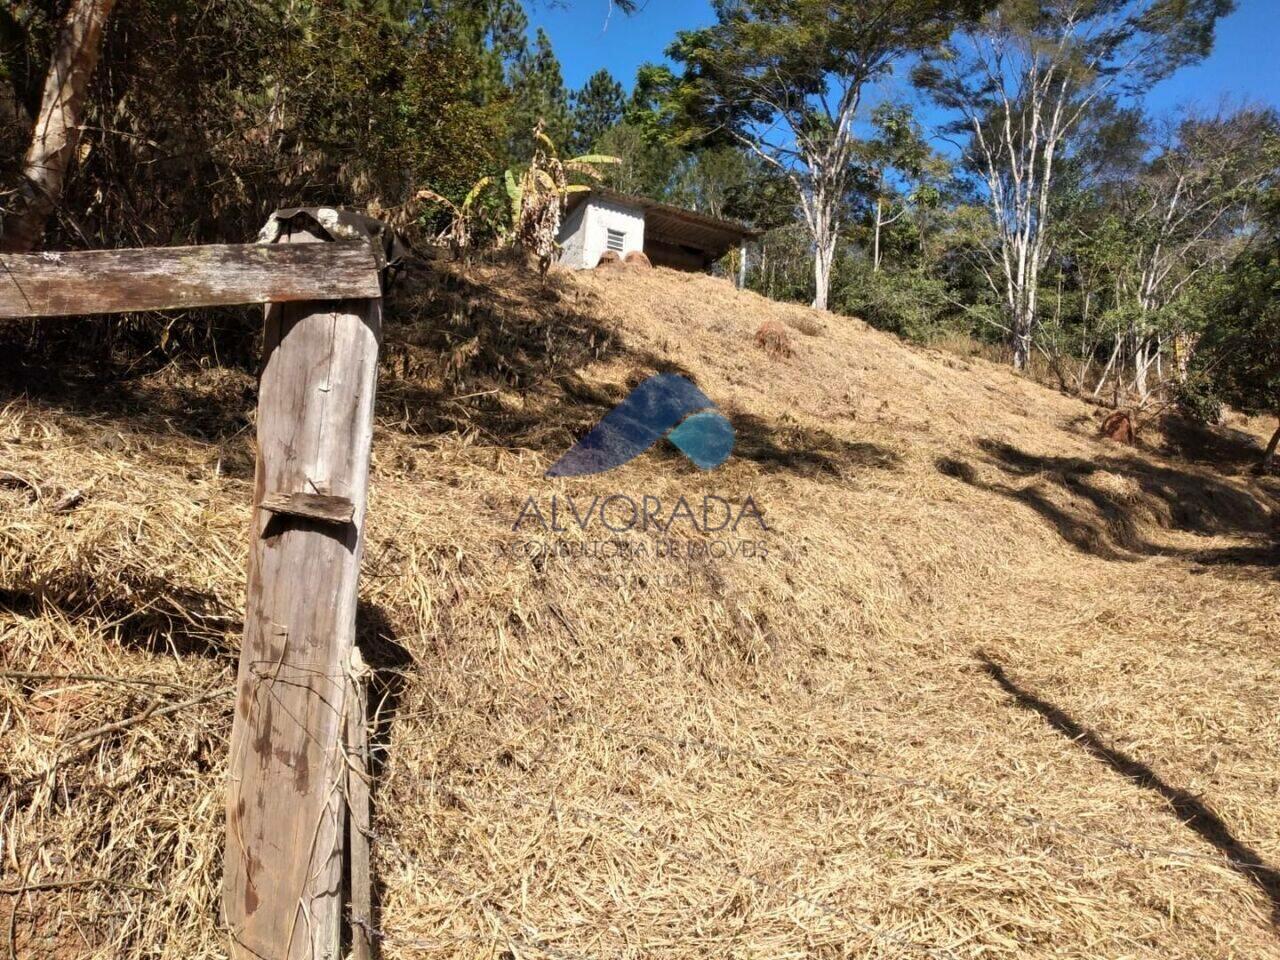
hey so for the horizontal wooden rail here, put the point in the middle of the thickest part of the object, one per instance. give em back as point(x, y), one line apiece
point(174, 278)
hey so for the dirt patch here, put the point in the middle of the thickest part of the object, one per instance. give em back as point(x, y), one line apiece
point(772, 337)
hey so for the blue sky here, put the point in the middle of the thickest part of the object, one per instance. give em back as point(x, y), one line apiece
point(587, 36)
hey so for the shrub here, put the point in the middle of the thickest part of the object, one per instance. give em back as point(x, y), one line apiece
point(1196, 398)
point(1237, 359)
point(910, 303)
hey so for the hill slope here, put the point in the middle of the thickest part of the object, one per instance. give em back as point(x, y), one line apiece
point(987, 686)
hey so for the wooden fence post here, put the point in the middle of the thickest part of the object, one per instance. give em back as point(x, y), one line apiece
point(283, 895)
point(358, 806)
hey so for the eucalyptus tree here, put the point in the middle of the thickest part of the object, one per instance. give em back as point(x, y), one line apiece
point(55, 132)
point(902, 169)
point(1187, 211)
point(785, 79)
point(1021, 80)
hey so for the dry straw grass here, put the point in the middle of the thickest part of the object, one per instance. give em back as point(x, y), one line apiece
point(999, 689)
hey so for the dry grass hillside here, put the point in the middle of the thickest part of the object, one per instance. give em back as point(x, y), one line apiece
point(988, 687)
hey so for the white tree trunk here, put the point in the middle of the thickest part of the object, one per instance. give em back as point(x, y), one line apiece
point(1144, 356)
point(875, 246)
point(1110, 363)
point(57, 128)
point(824, 179)
point(821, 219)
point(823, 258)
point(1021, 337)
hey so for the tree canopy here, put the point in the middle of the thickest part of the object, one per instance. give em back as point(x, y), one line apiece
point(785, 80)
point(1048, 216)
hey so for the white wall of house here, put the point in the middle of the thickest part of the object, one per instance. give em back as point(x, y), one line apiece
point(572, 236)
point(584, 235)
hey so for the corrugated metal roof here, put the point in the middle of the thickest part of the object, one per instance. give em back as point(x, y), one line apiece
point(730, 231)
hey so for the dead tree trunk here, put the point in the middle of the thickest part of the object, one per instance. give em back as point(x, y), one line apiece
point(282, 895)
point(57, 127)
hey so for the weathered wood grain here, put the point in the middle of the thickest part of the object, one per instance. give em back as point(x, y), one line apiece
point(359, 818)
point(282, 894)
point(317, 506)
point(172, 278)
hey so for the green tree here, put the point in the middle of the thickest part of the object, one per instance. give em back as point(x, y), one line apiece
point(1186, 212)
point(648, 166)
point(597, 107)
point(1141, 221)
point(1022, 80)
point(538, 96)
point(340, 102)
point(1237, 360)
point(57, 124)
point(493, 34)
point(785, 79)
point(901, 167)
point(733, 184)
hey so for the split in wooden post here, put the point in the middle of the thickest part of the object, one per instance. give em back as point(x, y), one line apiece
point(358, 806)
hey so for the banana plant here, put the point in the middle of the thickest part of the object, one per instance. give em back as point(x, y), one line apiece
point(538, 195)
point(460, 231)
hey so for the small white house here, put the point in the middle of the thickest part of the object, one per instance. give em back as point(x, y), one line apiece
point(600, 220)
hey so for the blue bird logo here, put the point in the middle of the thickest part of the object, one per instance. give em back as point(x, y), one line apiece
point(666, 405)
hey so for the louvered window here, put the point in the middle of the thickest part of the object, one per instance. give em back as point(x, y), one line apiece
point(616, 241)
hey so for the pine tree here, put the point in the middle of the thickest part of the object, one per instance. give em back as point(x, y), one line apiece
point(493, 33)
point(597, 107)
point(538, 94)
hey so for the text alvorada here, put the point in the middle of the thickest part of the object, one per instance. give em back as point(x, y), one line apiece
point(620, 513)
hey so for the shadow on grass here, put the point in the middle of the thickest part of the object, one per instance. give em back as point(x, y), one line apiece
point(450, 344)
point(1219, 447)
point(192, 372)
point(783, 444)
point(1245, 562)
point(462, 354)
point(390, 663)
point(1102, 518)
point(1190, 810)
point(155, 616)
